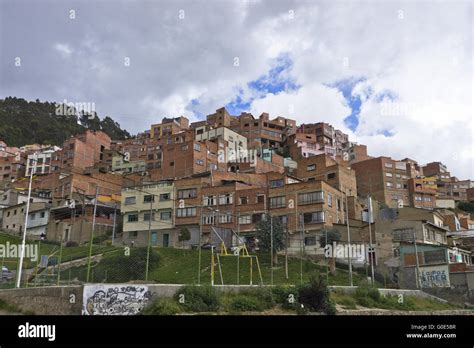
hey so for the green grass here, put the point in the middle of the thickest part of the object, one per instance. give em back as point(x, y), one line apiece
point(409, 303)
point(50, 249)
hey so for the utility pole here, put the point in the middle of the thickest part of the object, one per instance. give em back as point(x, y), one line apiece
point(238, 247)
point(271, 248)
point(199, 246)
point(286, 251)
point(370, 240)
point(92, 234)
point(301, 223)
point(418, 283)
point(23, 242)
point(115, 219)
point(149, 238)
point(349, 242)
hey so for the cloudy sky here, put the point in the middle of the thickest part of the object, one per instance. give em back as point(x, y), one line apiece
point(397, 76)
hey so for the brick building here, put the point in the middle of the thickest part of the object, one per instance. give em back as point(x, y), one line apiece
point(323, 167)
point(385, 179)
point(84, 150)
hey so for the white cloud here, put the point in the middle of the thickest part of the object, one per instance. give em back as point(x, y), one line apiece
point(64, 50)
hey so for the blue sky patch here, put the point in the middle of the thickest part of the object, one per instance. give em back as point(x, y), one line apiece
point(275, 81)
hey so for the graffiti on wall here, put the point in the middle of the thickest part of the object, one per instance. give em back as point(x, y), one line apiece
point(114, 299)
point(434, 277)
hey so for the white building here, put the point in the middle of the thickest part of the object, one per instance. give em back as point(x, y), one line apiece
point(40, 161)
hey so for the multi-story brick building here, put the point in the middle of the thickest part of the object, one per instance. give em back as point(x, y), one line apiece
point(301, 145)
point(11, 168)
point(261, 132)
point(323, 167)
point(305, 208)
point(421, 193)
point(384, 179)
point(84, 150)
point(470, 194)
point(169, 127)
point(327, 136)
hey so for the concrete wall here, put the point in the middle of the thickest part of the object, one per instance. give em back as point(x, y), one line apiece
point(68, 300)
point(54, 300)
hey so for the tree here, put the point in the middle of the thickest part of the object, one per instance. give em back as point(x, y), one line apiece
point(332, 236)
point(184, 236)
point(264, 236)
point(466, 206)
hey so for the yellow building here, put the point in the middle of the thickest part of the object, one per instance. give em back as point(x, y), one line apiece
point(149, 207)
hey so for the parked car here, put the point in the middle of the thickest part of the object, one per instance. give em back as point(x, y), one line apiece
point(6, 274)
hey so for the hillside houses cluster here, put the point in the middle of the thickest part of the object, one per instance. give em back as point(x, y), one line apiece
point(226, 173)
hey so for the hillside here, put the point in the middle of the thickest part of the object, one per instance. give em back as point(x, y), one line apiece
point(23, 122)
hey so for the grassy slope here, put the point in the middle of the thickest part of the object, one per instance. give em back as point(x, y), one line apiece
point(52, 250)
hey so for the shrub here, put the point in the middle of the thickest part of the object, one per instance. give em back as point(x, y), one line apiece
point(367, 296)
point(163, 306)
point(348, 302)
point(284, 294)
point(243, 303)
point(314, 296)
point(263, 295)
point(198, 298)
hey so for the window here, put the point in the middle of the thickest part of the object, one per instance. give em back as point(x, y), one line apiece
point(148, 198)
point(132, 217)
point(200, 162)
point(146, 216)
point(186, 212)
point(389, 184)
point(42, 215)
point(208, 219)
point(260, 198)
point(314, 217)
point(243, 200)
point(389, 175)
point(209, 200)
point(278, 202)
point(277, 183)
point(310, 241)
point(165, 215)
point(329, 199)
point(388, 165)
point(187, 193)
point(427, 199)
point(331, 176)
point(33, 216)
point(311, 167)
point(197, 147)
point(164, 197)
point(399, 186)
point(311, 197)
point(226, 198)
point(133, 234)
point(417, 198)
point(245, 219)
point(225, 218)
point(171, 164)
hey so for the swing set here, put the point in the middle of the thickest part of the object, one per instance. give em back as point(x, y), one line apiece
point(241, 251)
